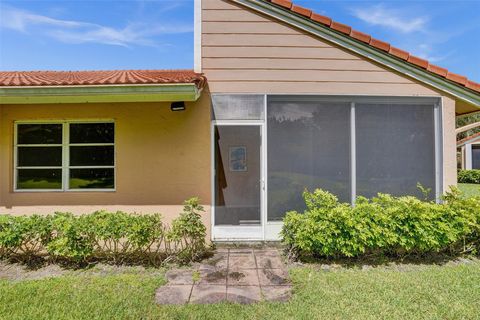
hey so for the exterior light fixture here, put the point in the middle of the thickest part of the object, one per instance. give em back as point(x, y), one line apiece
point(177, 106)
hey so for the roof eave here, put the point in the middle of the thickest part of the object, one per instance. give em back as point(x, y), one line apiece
point(364, 50)
point(468, 141)
point(100, 93)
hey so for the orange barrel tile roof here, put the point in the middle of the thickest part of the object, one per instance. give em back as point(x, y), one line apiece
point(464, 140)
point(112, 77)
point(378, 44)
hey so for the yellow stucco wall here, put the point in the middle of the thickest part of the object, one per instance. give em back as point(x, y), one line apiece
point(162, 158)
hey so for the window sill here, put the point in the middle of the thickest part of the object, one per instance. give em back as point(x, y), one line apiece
point(64, 191)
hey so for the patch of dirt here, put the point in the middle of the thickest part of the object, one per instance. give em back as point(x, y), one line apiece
point(405, 265)
point(20, 272)
point(108, 270)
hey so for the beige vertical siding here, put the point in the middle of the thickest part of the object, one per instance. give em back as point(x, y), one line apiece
point(162, 157)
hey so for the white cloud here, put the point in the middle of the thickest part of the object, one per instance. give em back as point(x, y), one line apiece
point(428, 52)
point(21, 20)
point(398, 20)
point(70, 31)
point(421, 41)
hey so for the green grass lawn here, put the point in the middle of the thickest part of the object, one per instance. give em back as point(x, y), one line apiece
point(414, 292)
point(469, 189)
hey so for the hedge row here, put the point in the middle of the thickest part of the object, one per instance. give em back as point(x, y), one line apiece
point(469, 176)
point(113, 236)
point(383, 225)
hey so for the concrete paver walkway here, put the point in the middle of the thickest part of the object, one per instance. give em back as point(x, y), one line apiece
point(235, 275)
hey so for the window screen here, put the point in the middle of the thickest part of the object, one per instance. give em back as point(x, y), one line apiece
point(395, 146)
point(475, 157)
point(92, 154)
point(39, 156)
point(45, 154)
point(308, 148)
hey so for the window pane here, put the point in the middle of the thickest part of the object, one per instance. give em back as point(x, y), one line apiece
point(238, 107)
point(92, 132)
point(308, 147)
point(39, 156)
point(237, 178)
point(92, 179)
point(39, 133)
point(395, 149)
point(39, 179)
point(92, 156)
point(475, 157)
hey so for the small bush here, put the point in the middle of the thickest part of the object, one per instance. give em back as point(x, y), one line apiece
point(385, 224)
point(469, 176)
point(188, 229)
point(116, 237)
point(26, 236)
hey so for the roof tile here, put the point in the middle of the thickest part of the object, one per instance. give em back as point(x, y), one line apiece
point(401, 54)
point(418, 61)
point(283, 3)
point(321, 19)
point(438, 70)
point(302, 11)
point(380, 44)
point(360, 36)
point(456, 78)
point(343, 28)
point(473, 85)
point(38, 78)
point(72, 78)
point(473, 136)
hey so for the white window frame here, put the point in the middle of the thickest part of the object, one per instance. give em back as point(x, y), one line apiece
point(65, 167)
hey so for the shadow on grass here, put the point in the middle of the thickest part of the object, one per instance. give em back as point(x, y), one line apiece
point(377, 260)
point(36, 262)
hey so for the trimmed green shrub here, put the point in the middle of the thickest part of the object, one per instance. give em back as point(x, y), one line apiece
point(469, 176)
point(24, 235)
point(385, 224)
point(116, 237)
point(188, 229)
point(70, 238)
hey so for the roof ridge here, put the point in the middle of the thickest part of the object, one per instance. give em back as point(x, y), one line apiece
point(378, 44)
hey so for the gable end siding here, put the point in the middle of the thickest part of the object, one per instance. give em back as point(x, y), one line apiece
point(246, 52)
point(243, 51)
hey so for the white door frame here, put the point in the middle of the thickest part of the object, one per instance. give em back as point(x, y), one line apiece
point(240, 233)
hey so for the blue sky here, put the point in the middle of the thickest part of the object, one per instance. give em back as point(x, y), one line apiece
point(101, 34)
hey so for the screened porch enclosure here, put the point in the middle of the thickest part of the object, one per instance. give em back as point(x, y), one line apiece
point(476, 157)
point(349, 146)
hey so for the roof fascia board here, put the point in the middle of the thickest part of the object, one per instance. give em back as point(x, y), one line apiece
point(468, 142)
point(107, 93)
point(362, 49)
